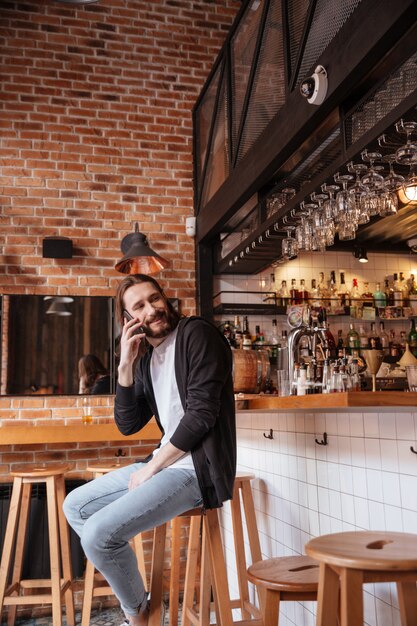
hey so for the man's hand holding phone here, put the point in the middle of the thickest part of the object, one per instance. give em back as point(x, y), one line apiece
point(129, 345)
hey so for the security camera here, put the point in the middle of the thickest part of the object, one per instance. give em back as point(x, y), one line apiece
point(190, 224)
point(412, 243)
point(314, 88)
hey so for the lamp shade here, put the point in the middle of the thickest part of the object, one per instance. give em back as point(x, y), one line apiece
point(58, 308)
point(138, 257)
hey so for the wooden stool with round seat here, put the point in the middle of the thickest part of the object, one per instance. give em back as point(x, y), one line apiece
point(213, 571)
point(292, 578)
point(94, 583)
point(350, 559)
point(52, 475)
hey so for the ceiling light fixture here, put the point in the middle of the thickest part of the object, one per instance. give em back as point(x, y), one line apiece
point(361, 254)
point(138, 257)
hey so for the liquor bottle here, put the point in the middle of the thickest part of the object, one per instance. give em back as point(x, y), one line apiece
point(352, 339)
point(258, 340)
point(367, 296)
point(389, 293)
point(294, 293)
point(404, 288)
point(355, 300)
point(343, 292)
point(238, 332)
point(374, 340)
point(228, 333)
point(398, 294)
point(284, 295)
point(355, 380)
point(384, 338)
point(363, 338)
point(380, 299)
point(247, 338)
point(314, 295)
point(273, 343)
point(303, 292)
point(412, 338)
point(340, 344)
point(334, 300)
point(282, 359)
point(323, 291)
point(395, 351)
point(271, 294)
point(403, 341)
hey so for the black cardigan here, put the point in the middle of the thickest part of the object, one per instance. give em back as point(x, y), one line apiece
point(203, 369)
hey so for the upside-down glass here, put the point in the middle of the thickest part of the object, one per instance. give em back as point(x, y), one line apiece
point(289, 245)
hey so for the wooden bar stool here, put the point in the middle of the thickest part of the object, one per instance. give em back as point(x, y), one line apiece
point(94, 584)
point(292, 578)
point(60, 588)
point(213, 567)
point(350, 559)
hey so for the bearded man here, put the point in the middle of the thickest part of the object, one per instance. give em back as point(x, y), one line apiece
point(179, 370)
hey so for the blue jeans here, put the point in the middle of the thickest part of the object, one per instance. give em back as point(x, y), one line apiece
point(105, 514)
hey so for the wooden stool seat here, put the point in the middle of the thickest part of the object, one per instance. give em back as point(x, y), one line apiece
point(289, 573)
point(291, 578)
point(95, 585)
point(60, 588)
point(350, 559)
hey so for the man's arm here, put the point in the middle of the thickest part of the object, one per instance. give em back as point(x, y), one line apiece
point(167, 455)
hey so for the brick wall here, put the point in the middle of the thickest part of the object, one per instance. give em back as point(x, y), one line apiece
point(96, 134)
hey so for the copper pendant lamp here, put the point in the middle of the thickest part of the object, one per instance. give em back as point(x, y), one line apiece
point(138, 257)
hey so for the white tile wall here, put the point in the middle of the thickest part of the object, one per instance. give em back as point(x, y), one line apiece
point(365, 479)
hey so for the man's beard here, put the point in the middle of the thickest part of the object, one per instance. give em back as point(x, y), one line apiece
point(162, 332)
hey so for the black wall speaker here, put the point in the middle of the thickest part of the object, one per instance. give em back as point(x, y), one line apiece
point(57, 248)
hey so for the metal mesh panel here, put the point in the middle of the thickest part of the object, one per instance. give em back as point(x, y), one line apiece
point(242, 53)
point(296, 13)
point(329, 17)
point(391, 93)
point(204, 117)
point(268, 93)
point(218, 160)
point(319, 160)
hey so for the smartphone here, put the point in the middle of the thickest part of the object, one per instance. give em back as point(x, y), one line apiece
point(139, 330)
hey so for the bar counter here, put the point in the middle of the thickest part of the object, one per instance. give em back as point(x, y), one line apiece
point(331, 401)
point(72, 432)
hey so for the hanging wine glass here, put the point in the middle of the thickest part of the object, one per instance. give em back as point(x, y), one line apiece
point(374, 182)
point(357, 193)
point(409, 188)
point(406, 154)
point(330, 205)
point(393, 182)
point(289, 245)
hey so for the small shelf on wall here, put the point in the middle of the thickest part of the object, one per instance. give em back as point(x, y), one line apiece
point(229, 308)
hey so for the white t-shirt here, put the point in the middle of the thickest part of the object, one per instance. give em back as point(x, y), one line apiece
point(166, 393)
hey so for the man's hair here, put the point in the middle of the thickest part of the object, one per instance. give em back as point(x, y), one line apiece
point(137, 279)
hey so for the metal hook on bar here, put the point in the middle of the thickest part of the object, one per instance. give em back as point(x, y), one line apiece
point(323, 442)
point(271, 434)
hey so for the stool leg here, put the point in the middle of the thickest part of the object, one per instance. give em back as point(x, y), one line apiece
point(240, 553)
point(212, 528)
point(20, 546)
point(174, 579)
point(407, 600)
point(191, 569)
point(270, 611)
point(88, 593)
point(54, 551)
point(351, 597)
point(157, 572)
point(205, 584)
point(140, 556)
point(65, 552)
point(252, 528)
point(9, 537)
point(327, 597)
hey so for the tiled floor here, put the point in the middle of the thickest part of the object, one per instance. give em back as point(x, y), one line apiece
point(109, 617)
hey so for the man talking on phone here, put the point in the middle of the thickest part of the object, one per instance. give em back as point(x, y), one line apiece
point(178, 369)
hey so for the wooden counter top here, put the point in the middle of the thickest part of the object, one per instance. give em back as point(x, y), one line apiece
point(73, 433)
point(349, 399)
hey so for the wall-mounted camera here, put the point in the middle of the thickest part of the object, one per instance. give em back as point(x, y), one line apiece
point(314, 88)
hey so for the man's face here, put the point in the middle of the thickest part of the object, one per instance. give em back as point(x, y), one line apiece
point(144, 302)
